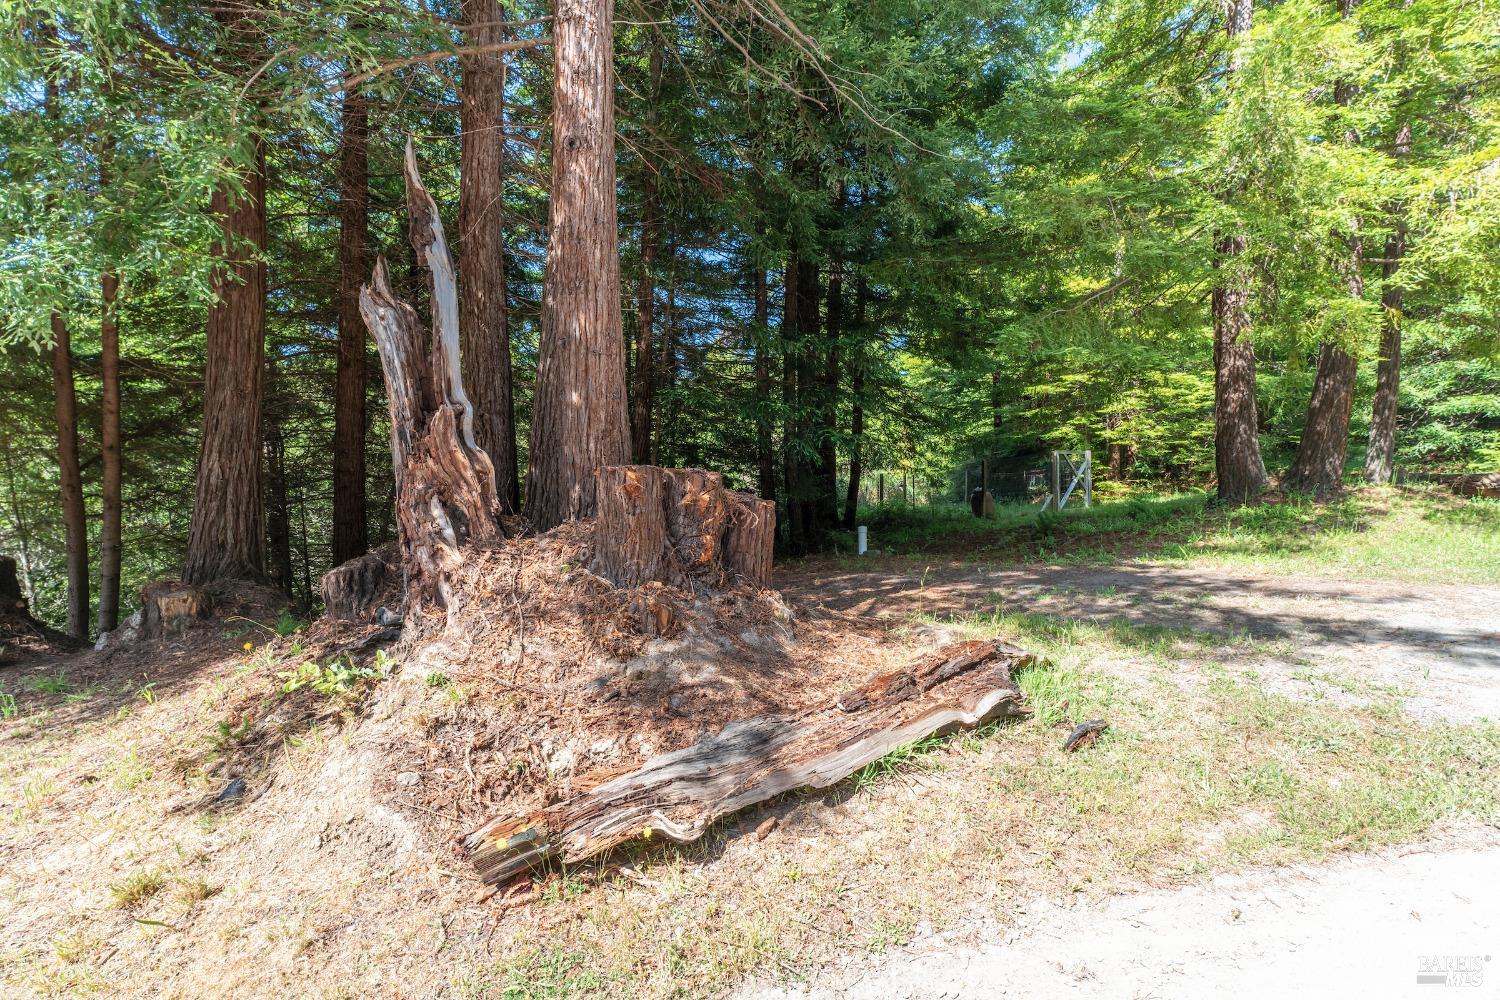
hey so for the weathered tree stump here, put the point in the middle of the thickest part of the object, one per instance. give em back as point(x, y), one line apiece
point(677, 525)
point(350, 589)
point(679, 794)
point(982, 503)
point(445, 483)
point(169, 607)
point(750, 538)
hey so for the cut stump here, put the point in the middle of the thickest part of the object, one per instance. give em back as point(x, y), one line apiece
point(679, 794)
point(679, 525)
point(350, 589)
point(169, 607)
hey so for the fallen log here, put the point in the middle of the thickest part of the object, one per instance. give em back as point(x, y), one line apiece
point(679, 794)
point(1487, 485)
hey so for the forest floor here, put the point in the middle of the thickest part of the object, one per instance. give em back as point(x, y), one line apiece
point(1275, 736)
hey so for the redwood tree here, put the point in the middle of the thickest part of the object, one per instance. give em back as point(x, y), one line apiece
point(349, 514)
point(579, 420)
point(643, 399)
point(1237, 462)
point(1382, 446)
point(227, 538)
point(70, 479)
point(483, 334)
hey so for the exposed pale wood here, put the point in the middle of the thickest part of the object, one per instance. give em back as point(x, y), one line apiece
point(679, 794)
point(169, 607)
point(697, 516)
point(630, 534)
point(445, 484)
point(350, 589)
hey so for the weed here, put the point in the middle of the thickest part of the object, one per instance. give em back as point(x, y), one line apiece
point(136, 888)
point(56, 684)
point(8, 707)
point(339, 676)
point(195, 890)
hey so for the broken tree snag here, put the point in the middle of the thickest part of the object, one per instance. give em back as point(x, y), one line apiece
point(750, 538)
point(350, 589)
point(679, 794)
point(11, 599)
point(678, 525)
point(445, 484)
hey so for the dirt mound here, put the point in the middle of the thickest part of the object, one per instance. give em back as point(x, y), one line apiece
point(544, 679)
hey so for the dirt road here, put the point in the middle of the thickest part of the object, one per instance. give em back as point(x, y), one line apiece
point(1409, 923)
point(1439, 644)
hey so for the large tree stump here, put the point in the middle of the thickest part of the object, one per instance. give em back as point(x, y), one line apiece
point(1487, 485)
point(678, 525)
point(170, 607)
point(679, 794)
point(750, 538)
point(350, 589)
point(445, 483)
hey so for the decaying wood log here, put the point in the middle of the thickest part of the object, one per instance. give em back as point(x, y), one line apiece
point(445, 484)
point(169, 607)
point(679, 794)
point(350, 589)
point(1487, 485)
point(677, 525)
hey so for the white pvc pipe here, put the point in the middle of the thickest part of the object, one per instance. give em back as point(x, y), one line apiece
point(864, 537)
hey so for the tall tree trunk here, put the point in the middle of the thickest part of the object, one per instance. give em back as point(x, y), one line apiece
point(828, 389)
point(483, 333)
point(645, 294)
point(765, 455)
point(1318, 467)
point(75, 526)
point(109, 439)
point(791, 359)
point(278, 505)
point(809, 380)
point(1380, 457)
point(1237, 462)
point(227, 538)
point(579, 420)
point(350, 517)
point(856, 403)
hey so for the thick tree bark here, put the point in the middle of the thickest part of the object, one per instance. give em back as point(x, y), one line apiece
point(765, 455)
point(484, 335)
point(1237, 462)
point(791, 355)
point(1380, 456)
point(109, 445)
point(445, 484)
point(75, 526)
point(278, 505)
point(828, 391)
point(227, 537)
point(679, 794)
point(579, 420)
point(350, 516)
point(1318, 467)
point(856, 404)
point(643, 399)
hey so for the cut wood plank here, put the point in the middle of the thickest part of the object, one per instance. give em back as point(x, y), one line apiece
point(679, 794)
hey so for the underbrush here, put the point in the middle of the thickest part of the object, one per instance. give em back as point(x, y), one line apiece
point(1398, 533)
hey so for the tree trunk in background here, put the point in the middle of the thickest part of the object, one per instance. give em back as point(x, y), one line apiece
point(1380, 457)
point(350, 517)
point(765, 455)
point(645, 294)
point(65, 407)
point(278, 506)
point(227, 538)
point(791, 354)
point(1318, 467)
point(483, 332)
point(1237, 462)
point(809, 380)
point(828, 390)
point(579, 421)
point(856, 403)
point(109, 438)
